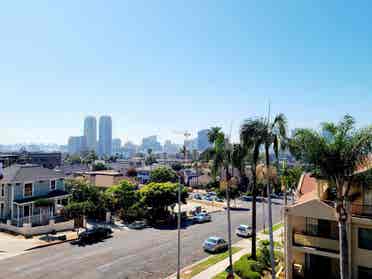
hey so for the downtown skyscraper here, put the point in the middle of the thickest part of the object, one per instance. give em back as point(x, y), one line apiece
point(105, 136)
point(90, 133)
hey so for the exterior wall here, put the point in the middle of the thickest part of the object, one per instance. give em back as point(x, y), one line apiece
point(106, 180)
point(18, 191)
point(60, 184)
point(360, 257)
point(27, 230)
point(41, 188)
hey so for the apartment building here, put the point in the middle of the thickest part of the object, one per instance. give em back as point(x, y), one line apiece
point(311, 230)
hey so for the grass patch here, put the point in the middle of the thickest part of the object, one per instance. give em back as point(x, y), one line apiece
point(187, 274)
point(223, 275)
point(275, 228)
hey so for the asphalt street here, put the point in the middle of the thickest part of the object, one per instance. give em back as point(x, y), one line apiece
point(148, 253)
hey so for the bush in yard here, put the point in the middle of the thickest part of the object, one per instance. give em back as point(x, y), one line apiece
point(248, 269)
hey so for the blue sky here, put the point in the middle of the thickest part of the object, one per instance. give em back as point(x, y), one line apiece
point(161, 66)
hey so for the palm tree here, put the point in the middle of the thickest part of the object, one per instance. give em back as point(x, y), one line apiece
point(335, 152)
point(238, 156)
point(275, 137)
point(221, 154)
point(257, 133)
point(251, 138)
point(213, 134)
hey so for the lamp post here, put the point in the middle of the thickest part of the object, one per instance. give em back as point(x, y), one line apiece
point(179, 227)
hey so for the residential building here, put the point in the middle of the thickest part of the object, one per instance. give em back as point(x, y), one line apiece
point(31, 199)
point(76, 145)
point(45, 159)
point(143, 174)
point(90, 133)
point(202, 140)
point(103, 179)
point(105, 136)
point(311, 230)
point(116, 146)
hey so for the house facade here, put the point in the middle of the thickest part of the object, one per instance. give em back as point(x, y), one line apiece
point(312, 235)
point(31, 200)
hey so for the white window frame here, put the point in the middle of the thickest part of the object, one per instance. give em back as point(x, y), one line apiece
point(50, 184)
point(32, 190)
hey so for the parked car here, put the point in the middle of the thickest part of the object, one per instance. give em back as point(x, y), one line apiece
point(246, 198)
point(207, 198)
point(94, 234)
point(137, 225)
point(243, 231)
point(202, 217)
point(215, 244)
point(197, 196)
point(217, 199)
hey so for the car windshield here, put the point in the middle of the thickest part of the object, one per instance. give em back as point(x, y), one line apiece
point(212, 240)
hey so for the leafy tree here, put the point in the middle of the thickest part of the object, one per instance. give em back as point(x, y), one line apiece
point(77, 209)
point(163, 174)
point(99, 167)
point(124, 195)
point(131, 172)
point(213, 133)
point(238, 157)
point(335, 152)
point(177, 167)
point(158, 197)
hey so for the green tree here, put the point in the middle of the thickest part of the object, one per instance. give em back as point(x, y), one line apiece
point(335, 152)
point(213, 133)
point(163, 174)
point(124, 195)
point(99, 167)
point(238, 158)
point(158, 197)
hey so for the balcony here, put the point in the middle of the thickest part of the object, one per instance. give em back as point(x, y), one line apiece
point(318, 242)
point(361, 210)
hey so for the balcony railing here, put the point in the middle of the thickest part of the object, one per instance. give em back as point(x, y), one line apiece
point(321, 243)
point(363, 210)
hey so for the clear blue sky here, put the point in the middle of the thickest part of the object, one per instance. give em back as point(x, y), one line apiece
point(160, 66)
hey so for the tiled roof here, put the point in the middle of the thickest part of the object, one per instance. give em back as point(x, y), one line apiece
point(21, 173)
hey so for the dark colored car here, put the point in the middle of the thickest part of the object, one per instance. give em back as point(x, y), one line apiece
point(94, 234)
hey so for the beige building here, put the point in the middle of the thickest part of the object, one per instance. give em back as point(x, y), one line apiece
point(311, 231)
point(105, 178)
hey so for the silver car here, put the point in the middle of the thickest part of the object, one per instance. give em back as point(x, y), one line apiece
point(202, 217)
point(244, 231)
point(215, 244)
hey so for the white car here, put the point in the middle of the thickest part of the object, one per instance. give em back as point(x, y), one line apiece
point(202, 217)
point(243, 231)
point(215, 244)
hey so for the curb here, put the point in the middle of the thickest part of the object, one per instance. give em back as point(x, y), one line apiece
point(49, 244)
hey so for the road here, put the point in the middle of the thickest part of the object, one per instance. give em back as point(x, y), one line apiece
point(149, 253)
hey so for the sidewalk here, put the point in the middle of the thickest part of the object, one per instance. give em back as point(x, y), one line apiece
point(13, 245)
point(222, 265)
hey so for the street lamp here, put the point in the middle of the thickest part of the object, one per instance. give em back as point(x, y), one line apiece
point(179, 227)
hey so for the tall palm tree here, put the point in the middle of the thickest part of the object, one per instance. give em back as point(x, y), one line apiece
point(275, 137)
point(254, 134)
point(221, 155)
point(238, 160)
point(335, 152)
point(251, 137)
point(213, 133)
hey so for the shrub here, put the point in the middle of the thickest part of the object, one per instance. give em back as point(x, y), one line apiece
point(248, 269)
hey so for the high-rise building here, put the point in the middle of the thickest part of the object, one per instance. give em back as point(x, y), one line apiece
point(116, 146)
point(90, 132)
point(76, 145)
point(152, 143)
point(105, 136)
point(203, 141)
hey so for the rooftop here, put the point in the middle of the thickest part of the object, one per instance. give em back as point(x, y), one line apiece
point(28, 172)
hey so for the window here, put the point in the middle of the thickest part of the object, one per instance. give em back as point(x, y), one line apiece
point(52, 185)
point(26, 211)
point(365, 239)
point(2, 210)
point(311, 226)
point(28, 190)
point(2, 190)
